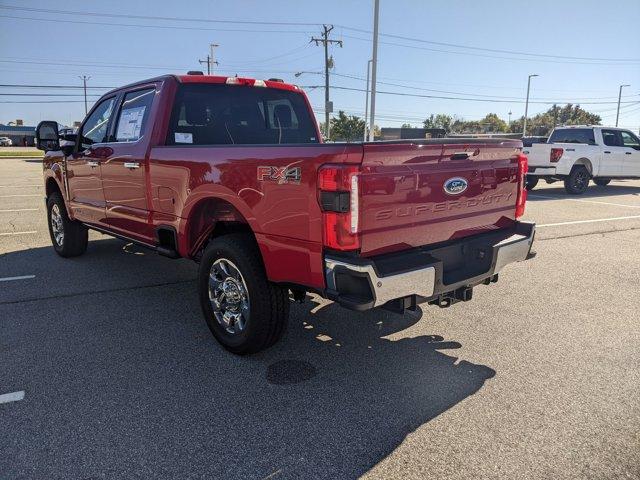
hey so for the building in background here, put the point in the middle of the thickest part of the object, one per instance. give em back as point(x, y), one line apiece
point(19, 133)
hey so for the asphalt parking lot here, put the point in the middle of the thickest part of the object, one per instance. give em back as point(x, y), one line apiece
point(537, 377)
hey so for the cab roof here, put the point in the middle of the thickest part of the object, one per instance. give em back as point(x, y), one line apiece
point(214, 79)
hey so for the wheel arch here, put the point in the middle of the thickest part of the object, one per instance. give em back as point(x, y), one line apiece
point(211, 217)
point(584, 161)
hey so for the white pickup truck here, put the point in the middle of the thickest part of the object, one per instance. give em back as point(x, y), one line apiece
point(578, 154)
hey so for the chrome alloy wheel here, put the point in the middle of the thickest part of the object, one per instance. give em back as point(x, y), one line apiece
point(56, 225)
point(228, 296)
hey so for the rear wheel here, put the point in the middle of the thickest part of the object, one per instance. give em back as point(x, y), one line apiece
point(577, 181)
point(601, 181)
point(244, 311)
point(531, 182)
point(69, 237)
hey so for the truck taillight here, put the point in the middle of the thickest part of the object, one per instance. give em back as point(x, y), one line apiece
point(556, 154)
point(338, 197)
point(521, 199)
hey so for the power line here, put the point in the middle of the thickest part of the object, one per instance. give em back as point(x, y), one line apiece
point(141, 25)
point(149, 17)
point(250, 22)
point(452, 52)
point(472, 94)
point(402, 94)
point(494, 50)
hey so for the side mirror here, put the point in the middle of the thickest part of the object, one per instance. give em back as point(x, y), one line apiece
point(47, 136)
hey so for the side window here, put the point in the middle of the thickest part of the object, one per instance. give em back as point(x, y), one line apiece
point(134, 114)
point(629, 140)
point(611, 138)
point(94, 129)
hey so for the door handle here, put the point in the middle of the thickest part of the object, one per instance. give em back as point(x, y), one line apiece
point(92, 163)
point(607, 151)
point(627, 153)
point(131, 165)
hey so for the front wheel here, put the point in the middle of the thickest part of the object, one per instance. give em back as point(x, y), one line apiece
point(577, 181)
point(69, 237)
point(601, 181)
point(244, 311)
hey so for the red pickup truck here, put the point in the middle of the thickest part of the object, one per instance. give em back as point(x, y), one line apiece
point(233, 173)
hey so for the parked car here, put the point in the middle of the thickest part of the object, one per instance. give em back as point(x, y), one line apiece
point(578, 154)
point(5, 142)
point(232, 173)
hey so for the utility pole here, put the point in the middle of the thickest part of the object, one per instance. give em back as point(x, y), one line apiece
point(84, 79)
point(366, 101)
point(209, 61)
point(328, 107)
point(510, 112)
point(526, 106)
point(374, 66)
point(619, 98)
point(555, 115)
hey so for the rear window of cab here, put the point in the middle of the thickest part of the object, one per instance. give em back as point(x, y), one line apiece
point(573, 135)
point(220, 114)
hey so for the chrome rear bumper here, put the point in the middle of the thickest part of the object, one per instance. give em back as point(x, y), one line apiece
point(425, 273)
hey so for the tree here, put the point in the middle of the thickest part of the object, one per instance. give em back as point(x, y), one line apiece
point(347, 127)
point(491, 123)
point(438, 121)
point(542, 123)
point(406, 125)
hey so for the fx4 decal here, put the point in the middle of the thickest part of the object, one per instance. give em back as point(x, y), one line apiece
point(280, 175)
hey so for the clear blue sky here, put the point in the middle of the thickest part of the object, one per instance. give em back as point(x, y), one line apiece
point(60, 47)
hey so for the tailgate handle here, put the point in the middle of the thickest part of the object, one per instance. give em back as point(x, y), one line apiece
point(461, 155)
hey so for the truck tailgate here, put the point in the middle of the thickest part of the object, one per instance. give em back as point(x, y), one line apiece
point(404, 203)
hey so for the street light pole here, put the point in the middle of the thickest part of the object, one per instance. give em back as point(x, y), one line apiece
point(526, 106)
point(212, 46)
point(619, 98)
point(366, 101)
point(374, 66)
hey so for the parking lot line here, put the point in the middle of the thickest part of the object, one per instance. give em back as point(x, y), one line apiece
point(20, 210)
point(18, 186)
point(12, 397)
point(17, 233)
point(582, 201)
point(22, 277)
point(575, 222)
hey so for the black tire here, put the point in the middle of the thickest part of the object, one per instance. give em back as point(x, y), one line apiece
point(268, 304)
point(577, 181)
point(531, 182)
point(75, 236)
point(601, 181)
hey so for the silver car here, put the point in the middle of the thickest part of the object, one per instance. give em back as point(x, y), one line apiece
point(5, 142)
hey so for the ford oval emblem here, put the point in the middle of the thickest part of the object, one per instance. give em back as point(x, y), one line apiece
point(455, 185)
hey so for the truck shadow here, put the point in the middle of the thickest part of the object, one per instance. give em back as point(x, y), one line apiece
point(556, 191)
point(138, 385)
